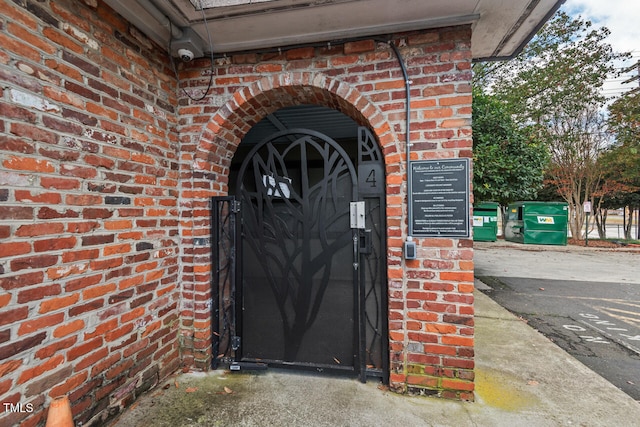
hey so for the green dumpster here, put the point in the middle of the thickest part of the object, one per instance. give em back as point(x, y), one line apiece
point(485, 222)
point(540, 223)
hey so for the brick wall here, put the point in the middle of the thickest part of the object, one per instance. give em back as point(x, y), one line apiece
point(105, 173)
point(430, 299)
point(89, 232)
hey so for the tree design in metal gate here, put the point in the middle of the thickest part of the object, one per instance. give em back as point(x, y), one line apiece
point(295, 189)
point(223, 238)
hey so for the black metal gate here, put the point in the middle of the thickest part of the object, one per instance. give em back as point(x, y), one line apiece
point(299, 257)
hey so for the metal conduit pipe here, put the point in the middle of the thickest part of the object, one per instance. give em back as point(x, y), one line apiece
point(407, 86)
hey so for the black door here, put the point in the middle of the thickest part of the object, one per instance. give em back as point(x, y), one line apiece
point(311, 285)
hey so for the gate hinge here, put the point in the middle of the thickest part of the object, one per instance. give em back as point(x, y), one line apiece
point(235, 206)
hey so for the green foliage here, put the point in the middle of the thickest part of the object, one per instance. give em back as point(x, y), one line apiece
point(624, 121)
point(507, 164)
point(554, 89)
point(559, 72)
point(621, 162)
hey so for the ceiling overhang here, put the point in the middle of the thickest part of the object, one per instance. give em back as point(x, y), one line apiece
point(500, 27)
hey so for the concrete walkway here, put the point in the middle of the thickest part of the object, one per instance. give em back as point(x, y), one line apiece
point(522, 379)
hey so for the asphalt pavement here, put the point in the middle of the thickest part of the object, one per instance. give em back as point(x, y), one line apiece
point(585, 300)
point(522, 379)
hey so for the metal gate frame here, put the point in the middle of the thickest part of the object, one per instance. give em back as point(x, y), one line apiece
point(227, 271)
point(224, 304)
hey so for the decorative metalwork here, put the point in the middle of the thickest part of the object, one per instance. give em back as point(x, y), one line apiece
point(374, 346)
point(223, 238)
point(311, 291)
point(295, 188)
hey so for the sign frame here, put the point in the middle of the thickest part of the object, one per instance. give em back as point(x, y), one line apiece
point(439, 198)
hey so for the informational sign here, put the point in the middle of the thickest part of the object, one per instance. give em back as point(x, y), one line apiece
point(439, 198)
point(277, 186)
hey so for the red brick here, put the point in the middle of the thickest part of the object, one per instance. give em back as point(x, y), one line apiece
point(55, 273)
point(464, 299)
point(34, 294)
point(455, 100)
point(457, 385)
point(32, 230)
point(422, 381)
point(10, 366)
point(28, 164)
point(460, 363)
point(15, 212)
point(130, 282)
point(51, 349)
point(133, 314)
point(5, 299)
point(59, 183)
point(100, 361)
point(422, 337)
point(441, 328)
point(46, 198)
point(48, 365)
point(39, 261)
point(457, 341)
point(80, 255)
point(98, 291)
point(83, 282)
point(55, 244)
point(423, 315)
point(439, 349)
point(14, 248)
point(15, 315)
point(359, 46)
point(21, 280)
point(393, 84)
point(83, 200)
point(119, 332)
point(84, 348)
point(106, 264)
point(118, 369)
point(39, 323)
point(116, 249)
point(457, 276)
point(93, 305)
point(46, 212)
point(97, 358)
point(422, 296)
point(68, 328)
point(69, 385)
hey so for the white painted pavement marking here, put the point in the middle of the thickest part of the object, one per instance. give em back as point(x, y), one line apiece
point(605, 326)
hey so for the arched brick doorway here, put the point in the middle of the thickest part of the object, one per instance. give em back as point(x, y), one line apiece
point(310, 283)
point(223, 133)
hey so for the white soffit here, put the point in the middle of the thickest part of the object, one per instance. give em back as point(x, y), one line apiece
point(500, 27)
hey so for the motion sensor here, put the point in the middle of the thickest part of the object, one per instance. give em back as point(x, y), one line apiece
point(185, 54)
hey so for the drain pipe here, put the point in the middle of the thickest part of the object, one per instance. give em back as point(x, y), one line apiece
point(410, 251)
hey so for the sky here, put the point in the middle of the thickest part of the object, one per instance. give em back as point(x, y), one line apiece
point(622, 18)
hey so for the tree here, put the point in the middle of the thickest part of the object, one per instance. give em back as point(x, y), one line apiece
point(576, 144)
point(554, 87)
point(621, 183)
point(508, 165)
